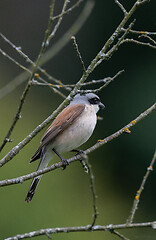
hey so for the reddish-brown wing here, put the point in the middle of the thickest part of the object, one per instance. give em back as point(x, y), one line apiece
point(62, 121)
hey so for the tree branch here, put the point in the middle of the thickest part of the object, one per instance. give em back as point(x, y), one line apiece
point(16, 149)
point(138, 194)
point(78, 52)
point(86, 228)
point(106, 81)
point(121, 7)
point(140, 32)
point(119, 235)
point(52, 34)
point(94, 196)
point(68, 10)
point(127, 40)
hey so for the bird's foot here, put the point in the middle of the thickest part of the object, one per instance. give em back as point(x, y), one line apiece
point(63, 160)
point(64, 163)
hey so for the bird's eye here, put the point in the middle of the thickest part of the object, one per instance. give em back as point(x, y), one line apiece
point(94, 100)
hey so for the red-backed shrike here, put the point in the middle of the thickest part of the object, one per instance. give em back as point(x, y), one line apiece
point(71, 128)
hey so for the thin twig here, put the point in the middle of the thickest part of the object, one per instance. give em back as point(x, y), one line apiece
point(53, 87)
point(68, 10)
point(138, 194)
point(45, 42)
point(78, 52)
point(121, 7)
point(106, 82)
point(140, 32)
point(86, 228)
point(16, 150)
point(16, 118)
point(146, 36)
point(119, 235)
point(127, 40)
point(14, 61)
point(52, 34)
point(88, 169)
point(94, 196)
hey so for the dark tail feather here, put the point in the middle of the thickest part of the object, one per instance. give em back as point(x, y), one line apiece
point(40, 153)
point(32, 189)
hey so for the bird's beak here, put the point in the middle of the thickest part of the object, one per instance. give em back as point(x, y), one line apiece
point(101, 105)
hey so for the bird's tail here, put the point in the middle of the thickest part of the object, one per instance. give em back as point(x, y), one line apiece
point(32, 189)
point(45, 158)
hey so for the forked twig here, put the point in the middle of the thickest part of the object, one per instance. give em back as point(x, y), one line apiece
point(68, 10)
point(106, 82)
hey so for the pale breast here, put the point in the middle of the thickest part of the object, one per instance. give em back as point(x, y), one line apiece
point(78, 133)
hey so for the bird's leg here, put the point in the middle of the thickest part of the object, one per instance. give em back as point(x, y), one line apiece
point(78, 151)
point(63, 160)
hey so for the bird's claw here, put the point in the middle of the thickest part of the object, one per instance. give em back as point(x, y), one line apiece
point(64, 163)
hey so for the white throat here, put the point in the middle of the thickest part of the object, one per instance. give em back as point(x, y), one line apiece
point(96, 107)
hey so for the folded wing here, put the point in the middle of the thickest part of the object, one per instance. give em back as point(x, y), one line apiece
point(62, 121)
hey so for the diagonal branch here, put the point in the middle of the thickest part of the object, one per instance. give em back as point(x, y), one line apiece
point(137, 197)
point(16, 149)
point(119, 235)
point(78, 52)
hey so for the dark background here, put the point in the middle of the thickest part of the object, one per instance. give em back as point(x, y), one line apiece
point(63, 198)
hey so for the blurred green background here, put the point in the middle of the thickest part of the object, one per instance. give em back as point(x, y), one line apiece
point(63, 198)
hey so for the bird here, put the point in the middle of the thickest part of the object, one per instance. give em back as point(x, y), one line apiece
point(71, 128)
